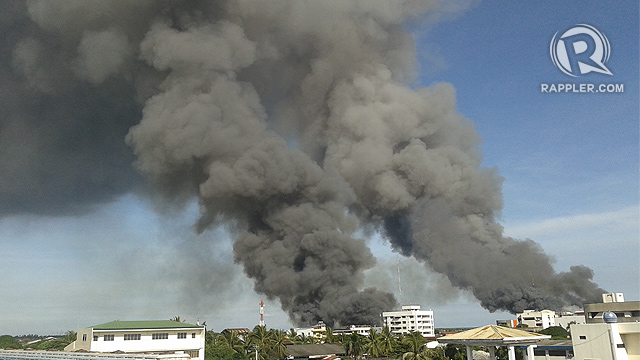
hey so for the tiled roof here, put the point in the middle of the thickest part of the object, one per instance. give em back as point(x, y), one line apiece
point(143, 325)
point(493, 334)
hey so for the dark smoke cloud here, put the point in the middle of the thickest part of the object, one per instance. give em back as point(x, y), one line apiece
point(291, 123)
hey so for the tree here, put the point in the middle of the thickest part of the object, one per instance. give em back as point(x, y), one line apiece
point(354, 346)
point(233, 341)
point(374, 344)
point(177, 318)
point(415, 345)
point(388, 341)
point(556, 332)
point(291, 335)
point(329, 338)
point(9, 342)
point(278, 344)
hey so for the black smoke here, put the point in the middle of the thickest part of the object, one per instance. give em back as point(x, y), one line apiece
point(293, 124)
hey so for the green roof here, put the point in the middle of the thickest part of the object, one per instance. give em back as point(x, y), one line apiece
point(142, 325)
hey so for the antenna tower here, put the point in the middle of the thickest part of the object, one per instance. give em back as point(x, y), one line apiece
point(399, 283)
point(261, 313)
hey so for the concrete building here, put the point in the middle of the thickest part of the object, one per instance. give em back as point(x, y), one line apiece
point(409, 319)
point(626, 311)
point(318, 331)
point(151, 337)
point(537, 319)
point(566, 319)
point(363, 330)
point(608, 340)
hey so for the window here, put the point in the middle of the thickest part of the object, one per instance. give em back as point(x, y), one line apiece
point(84, 337)
point(182, 335)
point(108, 338)
point(193, 336)
point(132, 337)
point(95, 337)
point(583, 337)
point(160, 336)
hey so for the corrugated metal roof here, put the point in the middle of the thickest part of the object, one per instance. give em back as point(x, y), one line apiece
point(307, 350)
point(143, 325)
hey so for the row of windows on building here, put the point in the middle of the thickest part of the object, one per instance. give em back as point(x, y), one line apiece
point(154, 336)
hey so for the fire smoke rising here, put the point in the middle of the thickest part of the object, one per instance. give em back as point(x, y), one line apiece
point(292, 123)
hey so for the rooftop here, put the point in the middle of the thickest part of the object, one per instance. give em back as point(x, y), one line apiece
point(142, 325)
point(493, 335)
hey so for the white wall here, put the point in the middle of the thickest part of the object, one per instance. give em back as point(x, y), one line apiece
point(146, 343)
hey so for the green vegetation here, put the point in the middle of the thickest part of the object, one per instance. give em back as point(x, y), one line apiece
point(271, 345)
point(556, 332)
point(9, 342)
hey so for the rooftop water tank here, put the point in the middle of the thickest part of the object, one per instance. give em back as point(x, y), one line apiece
point(610, 317)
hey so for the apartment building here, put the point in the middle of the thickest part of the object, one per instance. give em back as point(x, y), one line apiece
point(410, 318)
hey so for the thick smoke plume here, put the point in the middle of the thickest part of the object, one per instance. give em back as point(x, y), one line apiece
point(293, 125)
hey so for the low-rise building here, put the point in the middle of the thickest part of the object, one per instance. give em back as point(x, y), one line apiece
point(566, 319)
point(537, 319)
point(363, 330)
point(151, 337)
point(409, 319)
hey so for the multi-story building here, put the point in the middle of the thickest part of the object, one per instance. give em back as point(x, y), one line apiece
point(626, 311)
point(363, 330)
point(608, 340)
point(409, 319)
point(150, 337)
point(537, 319)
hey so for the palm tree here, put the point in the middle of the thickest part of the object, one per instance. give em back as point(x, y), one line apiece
point(329, 338)
point(278, 344)
point(354, 346)
point(233, 341)
point(388, 341)
point(291, 335)
point(373, 344)
point(415, 345)
point(259, 340)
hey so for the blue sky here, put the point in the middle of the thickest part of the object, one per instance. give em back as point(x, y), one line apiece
point(570, 165)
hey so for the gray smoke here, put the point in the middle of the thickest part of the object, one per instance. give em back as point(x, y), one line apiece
point(292, 124)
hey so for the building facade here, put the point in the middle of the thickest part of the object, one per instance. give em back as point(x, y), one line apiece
point(626, 311)
point(409, 319)
point(537, 319)
point(150, 337)
point(606, 341)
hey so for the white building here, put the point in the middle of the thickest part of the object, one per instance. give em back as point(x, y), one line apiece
point(566, 319)
point(606, 341)
point(151, 337)
point(363, 330)
point(409, 319)
point(537, 319)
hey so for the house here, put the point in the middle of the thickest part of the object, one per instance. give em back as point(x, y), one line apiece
point(150, 337)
